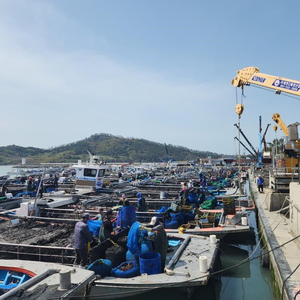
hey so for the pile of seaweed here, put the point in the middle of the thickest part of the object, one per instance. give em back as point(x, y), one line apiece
point(33, 233)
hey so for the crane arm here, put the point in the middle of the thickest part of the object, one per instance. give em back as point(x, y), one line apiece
point(245, 147)
point(263, 140)
point(276, 118)
point(246, 138)
point(251, 75)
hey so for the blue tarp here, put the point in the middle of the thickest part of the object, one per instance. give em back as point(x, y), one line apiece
point(94, 226)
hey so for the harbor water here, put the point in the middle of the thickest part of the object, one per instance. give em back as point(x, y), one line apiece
point(247, 281)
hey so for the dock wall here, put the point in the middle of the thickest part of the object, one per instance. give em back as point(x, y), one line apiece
point(295, 210)
point(267, 220)
point(276, 201)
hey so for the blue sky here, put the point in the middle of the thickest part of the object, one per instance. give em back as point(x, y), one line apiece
point(158, 70)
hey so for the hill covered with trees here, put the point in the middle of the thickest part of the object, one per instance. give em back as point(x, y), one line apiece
point(110, 149)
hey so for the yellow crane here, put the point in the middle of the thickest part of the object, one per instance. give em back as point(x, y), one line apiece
point(276, 118)
point(251, 75)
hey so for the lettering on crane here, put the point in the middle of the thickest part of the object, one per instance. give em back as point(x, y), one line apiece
point(258, 79)
point(284, 84)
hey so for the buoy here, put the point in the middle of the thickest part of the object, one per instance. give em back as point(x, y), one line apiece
point(244, 221)
point(203, 264)
point(213, 239)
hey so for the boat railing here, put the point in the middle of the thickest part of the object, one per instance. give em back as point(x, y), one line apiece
point(64, 255)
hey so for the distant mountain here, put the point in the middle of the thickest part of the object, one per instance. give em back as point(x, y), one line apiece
point(110, 148)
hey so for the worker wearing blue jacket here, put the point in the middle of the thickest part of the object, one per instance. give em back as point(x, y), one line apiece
point(260, 184)
point(141, 204)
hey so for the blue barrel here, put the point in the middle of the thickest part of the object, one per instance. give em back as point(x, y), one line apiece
point(150, 263)
point(127, 215)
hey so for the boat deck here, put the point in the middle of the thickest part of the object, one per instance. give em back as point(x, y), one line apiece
point(51, 283)
point(185, 272)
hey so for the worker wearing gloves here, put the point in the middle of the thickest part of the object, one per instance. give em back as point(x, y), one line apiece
point(159, 238)
point(82, 238)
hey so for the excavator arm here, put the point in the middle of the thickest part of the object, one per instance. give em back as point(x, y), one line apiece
point(251, 75)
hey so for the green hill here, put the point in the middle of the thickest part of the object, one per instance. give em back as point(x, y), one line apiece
point(110, 148)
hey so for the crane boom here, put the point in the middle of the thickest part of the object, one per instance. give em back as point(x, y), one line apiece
point(276, 118)
point(245, 147)
point(251, 75)
point(263, 140)
point(246, 139)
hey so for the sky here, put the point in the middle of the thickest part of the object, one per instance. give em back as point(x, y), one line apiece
point(159, 70)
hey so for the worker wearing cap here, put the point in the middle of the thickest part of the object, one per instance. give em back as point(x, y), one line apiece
point(82, 236)
point(260, 184)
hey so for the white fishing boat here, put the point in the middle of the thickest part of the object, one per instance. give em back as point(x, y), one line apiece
point(89, 176)
point(89, 180)
point(190, 265)
point(41, 280)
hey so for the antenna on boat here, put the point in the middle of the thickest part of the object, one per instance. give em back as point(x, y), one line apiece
point(93, 158)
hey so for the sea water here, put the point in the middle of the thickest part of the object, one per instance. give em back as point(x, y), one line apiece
point(5, 169)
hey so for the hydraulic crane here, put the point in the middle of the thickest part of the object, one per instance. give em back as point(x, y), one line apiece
point(291, 147)
point(251, 75)
point(276, 118)
point(263, 140)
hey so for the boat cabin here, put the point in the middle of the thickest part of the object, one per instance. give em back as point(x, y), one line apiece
point(90, 175)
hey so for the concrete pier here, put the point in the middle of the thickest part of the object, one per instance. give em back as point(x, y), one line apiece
point(281, 231)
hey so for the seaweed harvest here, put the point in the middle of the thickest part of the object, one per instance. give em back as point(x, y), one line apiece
point(36, 233)
point(37, 241)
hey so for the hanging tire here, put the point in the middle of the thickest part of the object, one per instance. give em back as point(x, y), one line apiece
point(264, 258)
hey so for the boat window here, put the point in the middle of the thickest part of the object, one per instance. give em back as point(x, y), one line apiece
point(90, 172)
point(101, 172)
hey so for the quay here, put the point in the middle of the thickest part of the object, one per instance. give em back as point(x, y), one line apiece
point(279, 224)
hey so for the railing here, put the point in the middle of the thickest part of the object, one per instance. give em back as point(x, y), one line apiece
point(37, 253)
point(284, 171)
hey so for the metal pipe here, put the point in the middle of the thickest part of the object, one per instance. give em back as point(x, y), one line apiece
point(30, 283)
point(240, 130)
point(177, 253)
point(245, 147)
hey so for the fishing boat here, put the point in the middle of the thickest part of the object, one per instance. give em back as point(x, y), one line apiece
point(89, 176)
point(8, 202)
point(89, 181)
point(41, 280)
point(215, 223)
point(190, 262)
